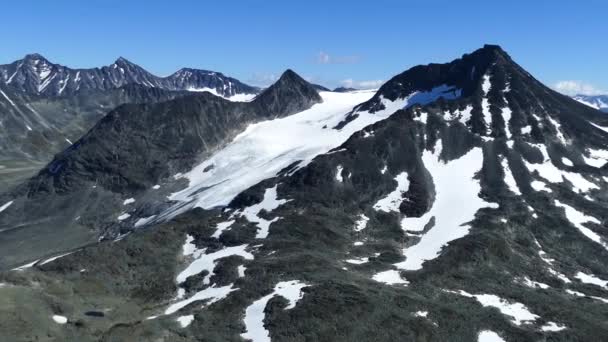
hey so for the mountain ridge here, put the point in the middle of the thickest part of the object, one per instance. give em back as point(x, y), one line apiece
point(37, 75)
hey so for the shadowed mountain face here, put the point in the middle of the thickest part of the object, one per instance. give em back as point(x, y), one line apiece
point(34, 74)
point(478, 208)
point(129, 150)
point(35, 127)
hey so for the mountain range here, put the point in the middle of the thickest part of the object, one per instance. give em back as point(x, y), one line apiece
point(599, 102)
point(463, 201)
point(46, 106)
point(34, 74)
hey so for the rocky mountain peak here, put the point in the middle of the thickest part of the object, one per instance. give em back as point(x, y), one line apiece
point(289, 94)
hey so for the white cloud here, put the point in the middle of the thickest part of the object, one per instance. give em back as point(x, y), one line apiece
point(371, 84)
point(576, 88)
point(325, 58)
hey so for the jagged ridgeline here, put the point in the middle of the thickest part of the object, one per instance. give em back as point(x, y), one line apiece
point(44, 107)
point(460, 202)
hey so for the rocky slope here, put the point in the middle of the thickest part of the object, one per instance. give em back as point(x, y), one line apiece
point(35, 127)
point(473, 210)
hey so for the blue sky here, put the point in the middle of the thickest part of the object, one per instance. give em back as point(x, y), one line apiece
point(329, 42)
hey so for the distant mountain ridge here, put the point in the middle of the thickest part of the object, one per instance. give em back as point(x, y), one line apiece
point(34, 74)
point(599, 102)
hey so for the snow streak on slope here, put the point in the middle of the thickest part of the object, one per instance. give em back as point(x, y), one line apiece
point(454, 183)
point(552, 174)
point(233, 98)
point(518, 312)
point(254, 314)
point(265, 148)
point(578, 219)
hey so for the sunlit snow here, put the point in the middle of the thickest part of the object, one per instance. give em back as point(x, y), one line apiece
point(597, 158)
point(185, 321)
point(591, 279)
point(220, 227)
point(552, 326)
point(339, 173)
point(5, 205)
point(207, 262)
point(267, 147)
point(392, 201)
point(269, 203)
point(518, 312)
point(509, 179)
point(254, 314)
point(552, 174)
point(361, 223)
point(454, 183)
point(578, 219)
point(485, 104)
point(390, 277)
point(210, 295)
point(489, 336)
point(60, 319)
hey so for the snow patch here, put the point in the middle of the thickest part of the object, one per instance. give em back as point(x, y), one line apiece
point(390, 277)
point(241, 270)
point(597, 158)
point(5, 205)
point(489, 336)
point(185, 321)
point(392, 201)
point(518, 312)
point(210, 295)
point(552, 174)
point(509, 179)
point(60, 319)
point(220, 227)
point(123, 216)
point(269, 203)
point(55, 258)
point(26, 266)
point(578, 218)
point(591, 279)
point(361, 223)
point(254, 314)
point(357, 261)
point(451, 222)
point(207, 262)
point(339, 173)
point(128, 201)
point(552, 326)
point(144, 220)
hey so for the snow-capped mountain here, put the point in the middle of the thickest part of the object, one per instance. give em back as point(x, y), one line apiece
point(599, 102)
point(463, 201)
point(34, 74)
